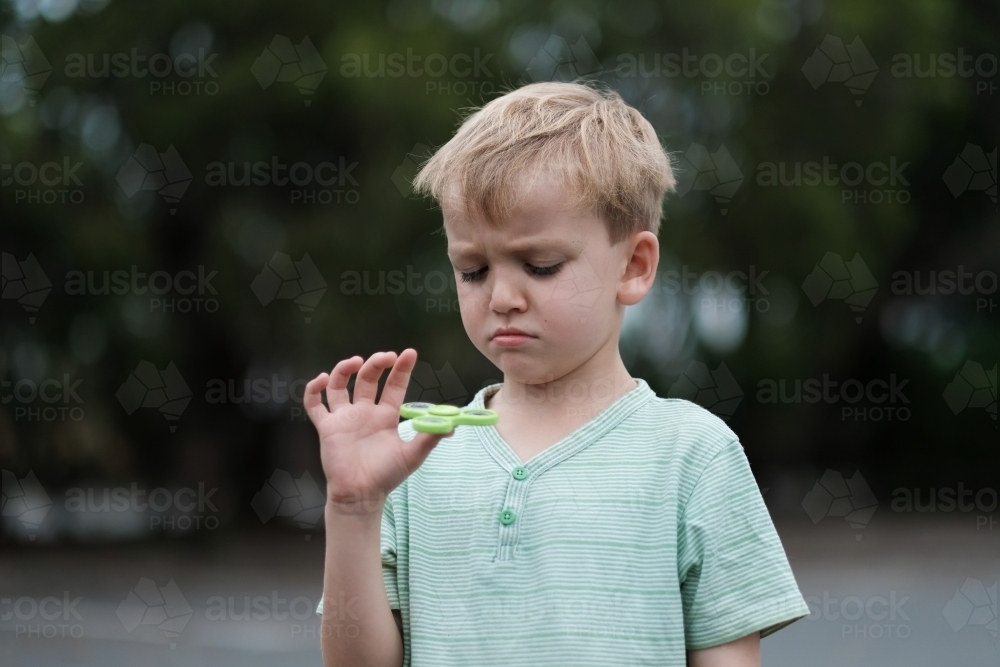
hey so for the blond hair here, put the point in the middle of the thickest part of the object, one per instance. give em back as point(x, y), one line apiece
point(607, 154)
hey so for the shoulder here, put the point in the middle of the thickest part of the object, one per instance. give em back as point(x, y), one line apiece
point(713, 475)
point(684, 419)
point(690, 432)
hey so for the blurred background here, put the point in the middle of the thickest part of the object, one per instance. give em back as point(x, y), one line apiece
point(204, 205)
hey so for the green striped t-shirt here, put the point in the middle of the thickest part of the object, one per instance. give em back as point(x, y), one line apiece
point(638, 536)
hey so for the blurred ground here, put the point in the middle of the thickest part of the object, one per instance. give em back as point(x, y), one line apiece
point(914, 594)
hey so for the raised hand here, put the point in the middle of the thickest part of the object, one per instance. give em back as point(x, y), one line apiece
point(363, 456)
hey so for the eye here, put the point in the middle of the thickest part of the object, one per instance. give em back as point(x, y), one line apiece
point(545, 270)
point(473, 276)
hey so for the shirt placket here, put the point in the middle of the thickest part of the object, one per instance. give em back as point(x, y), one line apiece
point(521, 475)
point(513, 509)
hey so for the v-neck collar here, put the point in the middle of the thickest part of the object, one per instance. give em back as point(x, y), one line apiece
point(584, 435)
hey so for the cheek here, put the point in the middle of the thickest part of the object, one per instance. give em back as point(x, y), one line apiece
point(558, 317)
point(573, 309)
point(470, 305)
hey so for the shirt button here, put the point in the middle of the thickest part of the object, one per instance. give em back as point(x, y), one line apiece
point(507, 517)
point(520, 472)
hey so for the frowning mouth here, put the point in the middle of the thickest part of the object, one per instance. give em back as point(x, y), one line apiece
point(511, 336)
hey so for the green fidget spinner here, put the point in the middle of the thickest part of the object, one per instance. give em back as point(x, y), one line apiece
point(431, 418)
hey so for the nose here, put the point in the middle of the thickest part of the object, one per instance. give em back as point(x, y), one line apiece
point(506, 292)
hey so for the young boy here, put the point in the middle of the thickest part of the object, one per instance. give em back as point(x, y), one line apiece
point(596, 524)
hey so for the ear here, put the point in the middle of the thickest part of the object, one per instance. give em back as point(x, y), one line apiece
point(642, 256)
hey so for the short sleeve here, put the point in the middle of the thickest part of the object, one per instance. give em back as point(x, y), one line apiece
point(388, 549)
point(734, 576)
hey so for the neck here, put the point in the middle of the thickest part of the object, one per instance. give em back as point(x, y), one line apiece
point(585, 391)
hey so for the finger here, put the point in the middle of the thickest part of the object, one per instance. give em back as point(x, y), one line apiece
point(394, 391)
point(336, 388)
point(312, 400)
point(366, 386)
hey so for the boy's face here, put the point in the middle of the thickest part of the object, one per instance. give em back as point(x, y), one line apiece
point(550, 273)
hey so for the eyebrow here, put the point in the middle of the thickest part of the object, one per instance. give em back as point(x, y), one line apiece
point(516, 247)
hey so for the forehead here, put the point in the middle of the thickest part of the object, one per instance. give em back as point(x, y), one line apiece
point(542, 218)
